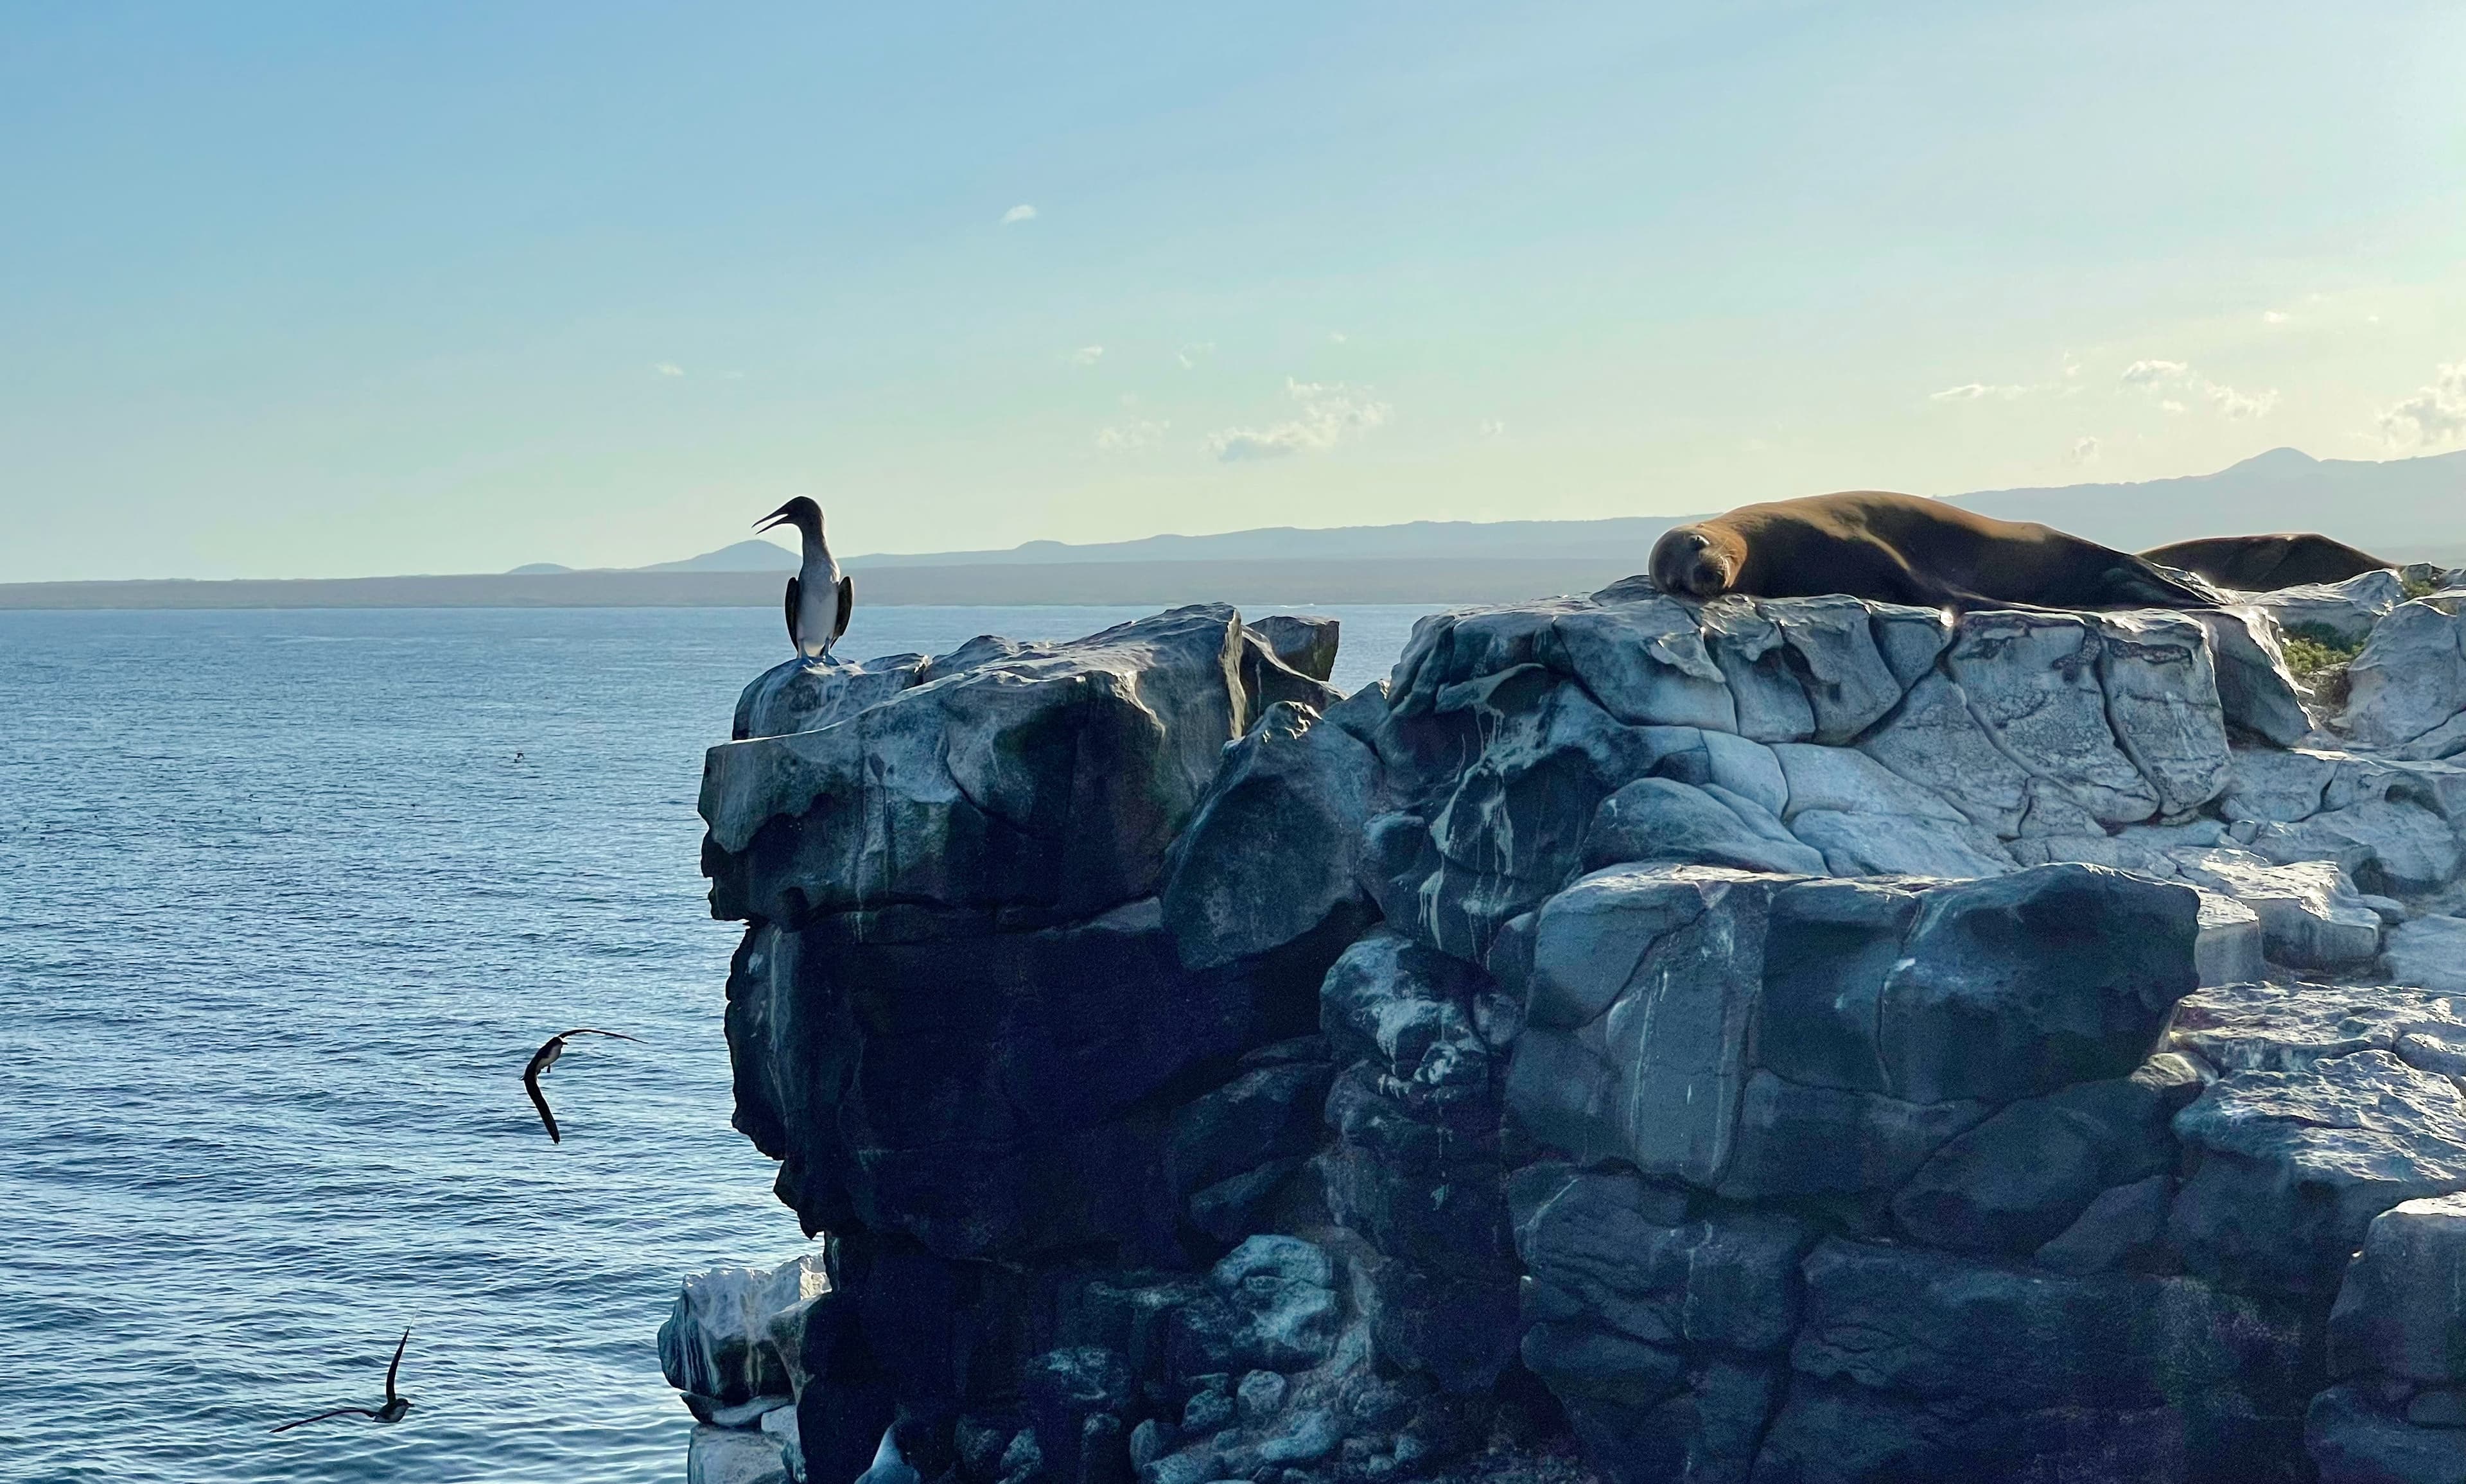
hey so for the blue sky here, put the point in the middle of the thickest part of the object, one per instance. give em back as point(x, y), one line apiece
point(315, 289)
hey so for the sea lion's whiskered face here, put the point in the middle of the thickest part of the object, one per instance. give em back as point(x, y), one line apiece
point(1686, 561)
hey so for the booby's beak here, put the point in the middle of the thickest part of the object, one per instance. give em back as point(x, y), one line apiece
point(775, 518)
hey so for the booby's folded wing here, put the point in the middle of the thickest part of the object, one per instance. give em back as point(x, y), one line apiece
point(847, 602)
point(798, 644)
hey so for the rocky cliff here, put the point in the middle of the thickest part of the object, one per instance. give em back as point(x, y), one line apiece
point(1774, 1041)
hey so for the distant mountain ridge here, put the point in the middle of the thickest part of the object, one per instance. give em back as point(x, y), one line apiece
point(2402, 509)
point(2411, 510)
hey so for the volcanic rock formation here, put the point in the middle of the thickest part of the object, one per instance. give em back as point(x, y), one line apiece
point(1770, 1040)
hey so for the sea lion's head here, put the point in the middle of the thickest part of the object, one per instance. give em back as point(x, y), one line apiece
point(1690, 561)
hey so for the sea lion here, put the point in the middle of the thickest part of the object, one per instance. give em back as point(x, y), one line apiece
point(2264, 563)
point(1899, 549)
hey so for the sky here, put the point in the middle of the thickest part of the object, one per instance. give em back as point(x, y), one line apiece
point(311, 290)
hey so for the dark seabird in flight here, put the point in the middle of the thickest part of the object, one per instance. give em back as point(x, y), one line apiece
point(819, 595)
point(545, 1058)
point(392, 1411)
point(889, 1466)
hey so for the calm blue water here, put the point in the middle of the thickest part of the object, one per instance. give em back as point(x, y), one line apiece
point(282, 917)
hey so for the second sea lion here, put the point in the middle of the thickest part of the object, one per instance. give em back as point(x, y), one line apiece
point(2264, 563)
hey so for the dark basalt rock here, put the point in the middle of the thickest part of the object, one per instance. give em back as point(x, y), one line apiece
point(993, 1096)
point(1273, 847)
point(2289, 1168)
point(2015, 1182)
point(1304, 645)
point(1494, 1077)
point(2402, 1307)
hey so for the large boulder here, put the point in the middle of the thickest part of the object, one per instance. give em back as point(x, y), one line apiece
point(1714, 1025)
point(2288, 1168)
point(1304, 645)
point(2255, 692)
point(1034, 780)
point(2025, 983)
point(718, 1345)
point(1273, 846)
point(2402, 1308)
point(2311, 916)
point(1643, 986)
point(2411, 679)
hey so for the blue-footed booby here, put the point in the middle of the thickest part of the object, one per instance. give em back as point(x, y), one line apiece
point(545, 1058)
point(392, 1411)
point(819, 595)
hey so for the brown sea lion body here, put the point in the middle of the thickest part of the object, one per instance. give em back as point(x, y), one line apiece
point(2264, 563)
point(1899, 549)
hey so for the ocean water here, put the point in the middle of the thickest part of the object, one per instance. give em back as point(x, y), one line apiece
point(286, 901)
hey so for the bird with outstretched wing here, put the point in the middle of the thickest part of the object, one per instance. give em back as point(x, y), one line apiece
point(545, 1058)
point(396, 1404)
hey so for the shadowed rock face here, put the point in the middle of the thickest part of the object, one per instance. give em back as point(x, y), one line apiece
point(1756, 1041)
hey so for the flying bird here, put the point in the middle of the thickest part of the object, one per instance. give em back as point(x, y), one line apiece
point(392, 1411)
point(819, 595)
point(545, 1058)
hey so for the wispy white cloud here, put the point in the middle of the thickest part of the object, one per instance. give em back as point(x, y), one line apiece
point(1086, 355)
point(1020, 212)
point(2160, 377)
point(2084, 450)
point(2435, 414)
point(1192, 353)
point(1492, 427)
point(1337, 337)
point(1326, 414)
point(1123, 436)
point(2273, 316)
point(2238, 405)
point(1976, 390)
point(668, 368)
point(2150, 374)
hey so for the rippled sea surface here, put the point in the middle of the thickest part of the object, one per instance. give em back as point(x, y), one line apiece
point(286, 901)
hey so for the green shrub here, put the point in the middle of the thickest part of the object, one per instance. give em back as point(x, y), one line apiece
point(2310, 654)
